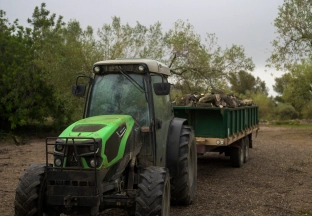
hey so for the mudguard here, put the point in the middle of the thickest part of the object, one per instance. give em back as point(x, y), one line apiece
point(172, 155)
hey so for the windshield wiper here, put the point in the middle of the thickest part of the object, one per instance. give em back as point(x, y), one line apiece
point(135, 83)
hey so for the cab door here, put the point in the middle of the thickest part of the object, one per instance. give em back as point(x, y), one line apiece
point(163, 115)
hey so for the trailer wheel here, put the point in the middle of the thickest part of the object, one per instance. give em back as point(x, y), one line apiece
point(246, 149)
point(30, 192)
point(237, 156)
point(153, 192)
point(184, 183)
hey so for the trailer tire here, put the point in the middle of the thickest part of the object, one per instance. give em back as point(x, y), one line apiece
point(237, 156)
point(30, 192)
point(246, 149)
point(184, 183)
point(153, 192)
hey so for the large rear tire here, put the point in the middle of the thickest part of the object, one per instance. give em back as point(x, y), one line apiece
point(153, 192)
point(184, 183)
point(30, 192)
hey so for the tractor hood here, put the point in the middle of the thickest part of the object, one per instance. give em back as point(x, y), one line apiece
point(97, 126)
point(110, 131)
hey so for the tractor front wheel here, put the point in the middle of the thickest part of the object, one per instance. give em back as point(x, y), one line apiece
point(30, 192)
point(153, 192)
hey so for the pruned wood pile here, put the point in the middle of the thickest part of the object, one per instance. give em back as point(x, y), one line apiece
point(213, 100)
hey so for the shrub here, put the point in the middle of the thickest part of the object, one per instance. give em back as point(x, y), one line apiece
point(286, 112)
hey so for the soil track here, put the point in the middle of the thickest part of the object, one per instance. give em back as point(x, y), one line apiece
point(277, 179)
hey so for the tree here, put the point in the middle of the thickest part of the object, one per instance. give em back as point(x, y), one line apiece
point(124, 41)
point(294, 86)
point(297, 92)
point(265, 103)
point(281, 83)
point(293, 27)
point(24, 95)
point(286, 112)
point(244, 81)
point(63, 51)
point(196, 65)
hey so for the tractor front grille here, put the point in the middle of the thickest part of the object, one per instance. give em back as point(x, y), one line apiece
point(72, 158)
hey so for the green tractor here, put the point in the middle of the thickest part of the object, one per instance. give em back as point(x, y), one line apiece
point(128, 151)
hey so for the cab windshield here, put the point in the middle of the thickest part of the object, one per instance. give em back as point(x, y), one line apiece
point(117, 94)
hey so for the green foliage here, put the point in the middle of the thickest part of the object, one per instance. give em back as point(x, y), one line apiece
point(286, 112)
point(124, 41)
point(42, 62)
point(24, 94)
point(294, 87)
point(244, 81)
point(293, 27)
point(282, 83)
point(199, 67)
point(63, 52)
point(306, 112)
point(266, 104)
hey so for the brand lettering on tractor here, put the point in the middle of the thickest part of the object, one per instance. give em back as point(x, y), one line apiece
point(121, 132)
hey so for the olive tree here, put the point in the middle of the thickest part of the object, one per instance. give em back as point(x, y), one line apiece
point(294, 34)
point(202, 64)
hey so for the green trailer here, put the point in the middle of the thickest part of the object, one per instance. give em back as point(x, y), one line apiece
point(223, 130)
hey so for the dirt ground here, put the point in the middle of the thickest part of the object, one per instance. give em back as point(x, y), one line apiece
point(277, 179)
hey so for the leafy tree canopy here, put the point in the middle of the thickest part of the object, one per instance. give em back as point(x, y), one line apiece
point(40, 63)
point(294, 34)
point(244, 81)
point(294, 86)
point(24, 95)
point(202, 65)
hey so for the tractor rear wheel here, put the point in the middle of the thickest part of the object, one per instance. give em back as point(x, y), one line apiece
point(30, 192)
point(184, 183)
point(153, 192)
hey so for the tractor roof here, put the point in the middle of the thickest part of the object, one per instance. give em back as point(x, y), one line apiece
point(153, 65)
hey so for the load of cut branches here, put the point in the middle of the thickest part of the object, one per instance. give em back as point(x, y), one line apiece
point(213, 100)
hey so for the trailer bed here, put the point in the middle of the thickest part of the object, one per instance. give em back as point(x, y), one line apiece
point(216, 127)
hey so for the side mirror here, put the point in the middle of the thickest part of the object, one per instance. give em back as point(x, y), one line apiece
point(79, 90)
point(162, 88)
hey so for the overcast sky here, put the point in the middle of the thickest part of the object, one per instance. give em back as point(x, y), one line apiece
point(241, 22)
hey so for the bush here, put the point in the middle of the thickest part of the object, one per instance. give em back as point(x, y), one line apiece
point(266, 105)
point(286, 112)
point(306, 111)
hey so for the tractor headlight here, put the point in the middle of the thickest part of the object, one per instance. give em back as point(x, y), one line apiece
point(57, 162)
point(141, 68)
point(97, 69)
point(93, 147)
point(93, 163)
point(59, 147)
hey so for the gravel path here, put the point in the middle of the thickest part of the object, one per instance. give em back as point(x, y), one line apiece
point(277, 179)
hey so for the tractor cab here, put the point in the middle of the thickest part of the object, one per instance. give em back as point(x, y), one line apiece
point(135, 87)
